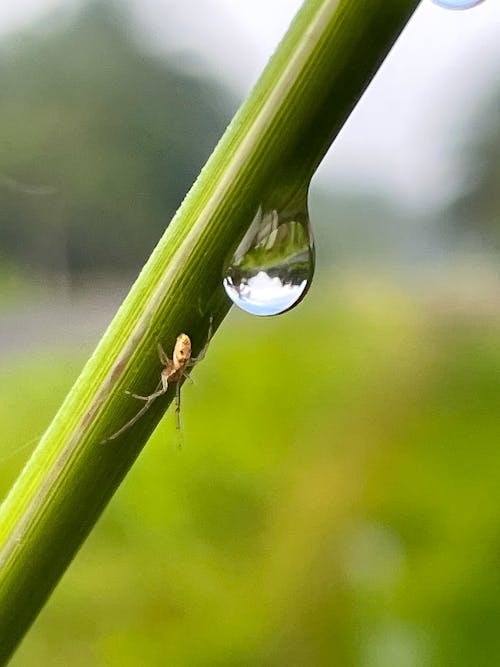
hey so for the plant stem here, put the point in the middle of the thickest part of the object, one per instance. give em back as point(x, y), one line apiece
point(277, 139)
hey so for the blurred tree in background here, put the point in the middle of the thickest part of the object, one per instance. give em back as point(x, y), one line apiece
point(475, 213)
point(114, 136)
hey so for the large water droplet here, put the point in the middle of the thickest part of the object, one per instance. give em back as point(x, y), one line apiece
point(457, 4)
point(273, 266)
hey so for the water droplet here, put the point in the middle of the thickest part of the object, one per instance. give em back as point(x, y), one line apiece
point(457, 4)
point(273, 265)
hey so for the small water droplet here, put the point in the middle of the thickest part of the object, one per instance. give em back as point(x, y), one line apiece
point(457, 4)
point(273, 265)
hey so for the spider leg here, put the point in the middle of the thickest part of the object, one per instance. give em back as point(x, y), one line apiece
point(187, 376)
point(131, 422)
point(203, 351)
point(148, 401)
point(178, 407)
point(162, 354)
point(160, 389)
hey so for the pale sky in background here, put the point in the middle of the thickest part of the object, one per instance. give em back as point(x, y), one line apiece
point(402, 135)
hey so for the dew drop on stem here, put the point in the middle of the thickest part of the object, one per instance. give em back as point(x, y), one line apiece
point(272, 267)
point(457, 4)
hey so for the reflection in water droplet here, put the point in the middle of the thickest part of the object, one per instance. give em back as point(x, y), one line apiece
point(273, 266)
point(457, 4)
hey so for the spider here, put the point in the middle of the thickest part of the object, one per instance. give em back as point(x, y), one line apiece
point(173, 371)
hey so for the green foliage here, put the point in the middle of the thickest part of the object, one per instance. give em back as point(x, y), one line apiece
point(334, 513)
point(115, 138)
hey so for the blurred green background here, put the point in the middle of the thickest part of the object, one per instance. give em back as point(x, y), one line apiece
point(335, 500)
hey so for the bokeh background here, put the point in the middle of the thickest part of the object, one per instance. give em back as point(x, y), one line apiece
point(336, 498)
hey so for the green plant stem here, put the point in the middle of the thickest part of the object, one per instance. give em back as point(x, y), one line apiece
point(276, 140)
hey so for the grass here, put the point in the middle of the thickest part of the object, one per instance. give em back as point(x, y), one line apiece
point(334, 501)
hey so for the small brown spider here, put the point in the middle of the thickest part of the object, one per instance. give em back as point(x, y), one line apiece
point(174, 370)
